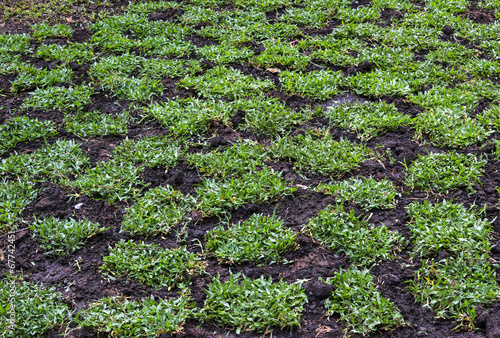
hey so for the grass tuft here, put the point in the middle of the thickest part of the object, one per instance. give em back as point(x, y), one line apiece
point(258, 239)
point(359, 303)
point(344, 232)
point(444, 172)
point(62, 237)
point(151, 265)
point(366, 192)
point(240, 304)
point(317, 151)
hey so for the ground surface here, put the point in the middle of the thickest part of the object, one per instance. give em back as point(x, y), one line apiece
point(76, 275)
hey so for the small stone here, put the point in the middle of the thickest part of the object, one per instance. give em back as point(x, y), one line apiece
point(318, 290)
point(79, 206)
point(366, 67)
point(448, 30)
point(481, 317)
point(217, 141)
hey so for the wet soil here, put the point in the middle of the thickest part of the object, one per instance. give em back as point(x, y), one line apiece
point(77, 276)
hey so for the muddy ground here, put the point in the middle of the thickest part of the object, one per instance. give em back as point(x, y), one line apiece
point(76, 276)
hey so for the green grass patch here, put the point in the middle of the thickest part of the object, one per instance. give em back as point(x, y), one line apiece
point(450, 227)
point(240, 304)
point(463, 95)
point(255, 187)
point(224, 53)
point(136, 78)
point(359, 303)
point(62, 237)
point(153, 152)
point(317, 151)
point(454, 287)
point(281, 53)
point(31, 77)
point(151, 265)
point(158, 211)
point(367, 120)
point(490, 119)
point(58, 98)
point(243, 156)
point(449, 127)
point(15, 196)
point(190, 116)
point(112, 180)
point(346, 233)
point(94, 123)
point(38, 310)
point(144, 318)
point(22, 129)
point(221, 81)
point(316, 85)
point(14, 43)
point(444, 172)
point(368, 193)
point(79, 52)
point(41, 31)
point(258, 239)
point(380, 83)
point(268, 116)
point(57, 162)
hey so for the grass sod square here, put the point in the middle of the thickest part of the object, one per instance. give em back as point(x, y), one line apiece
point(136, 78)
point(147, 317)
point(351, 235)
point(444, 172)
point(158, 211)
point(43, 31)
point(491, 118)
point(38, 309)
point(317, 151)
point(78, 52)
point(268, 116)
point(454, 286)
point(62, 237)
point(58, 98)
point(316, 85)
point(31, 77)
point(261, 186)
point(361, 307)
point(57, 162)
point(258, 239)
point(94, 123)
point(379, 83)
point(15, 196)
point(188, 117)
point(21, 129)
point(367, 120)
point(241, 305)
point(241, 157)
point(151, 151)
point(450, 127)
point(368, 193)
point(14, 43)
point(112, 180)
point(224, 53)
point(221, 81)
point(151, 265)
point(450, 227)
point(281, 53)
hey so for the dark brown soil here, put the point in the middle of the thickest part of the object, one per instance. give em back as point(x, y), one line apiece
point(77, 276)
